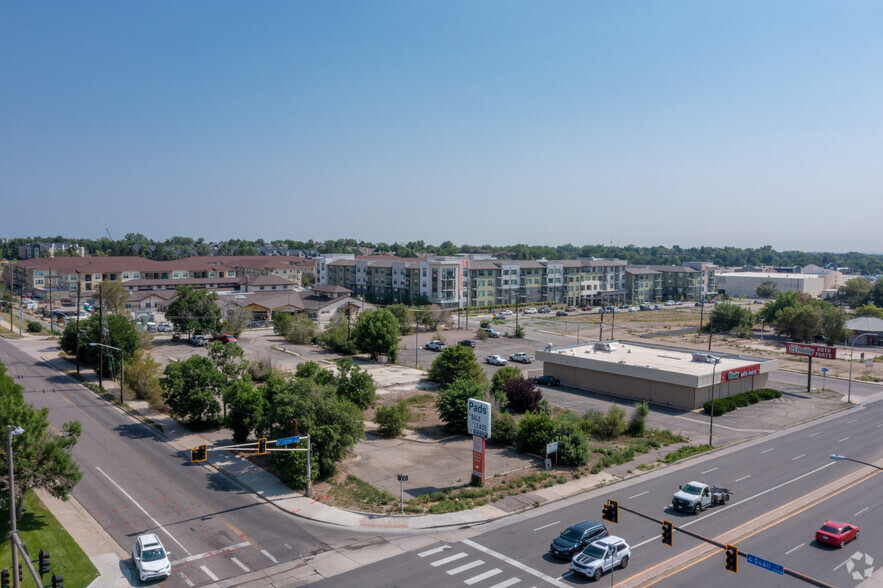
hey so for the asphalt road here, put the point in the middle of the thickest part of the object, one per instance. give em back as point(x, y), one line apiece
point(134, 483)
point(784, 486)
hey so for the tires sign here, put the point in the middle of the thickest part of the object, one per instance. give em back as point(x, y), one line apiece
point(819, 351)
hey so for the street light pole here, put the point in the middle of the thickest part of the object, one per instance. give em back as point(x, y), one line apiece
point(13, 530)
point(838, 457)
point(851, 351)
point(716, 360)
point(122, 365)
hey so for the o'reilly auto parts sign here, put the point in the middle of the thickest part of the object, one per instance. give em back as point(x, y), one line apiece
point(740, 372)
point(819, 351)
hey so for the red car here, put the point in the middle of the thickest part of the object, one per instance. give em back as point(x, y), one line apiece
point(227, 339)
point(836, 533)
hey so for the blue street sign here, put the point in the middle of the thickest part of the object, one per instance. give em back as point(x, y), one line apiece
point(287, 441)
point(767, 565)
point(824, 370)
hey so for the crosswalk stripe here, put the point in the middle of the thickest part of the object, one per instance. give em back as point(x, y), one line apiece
point(209, 573)
point(269, 555)
point(465, 567)
point(483, 576)
point(442, 562)
point(507, 583)
point(433, 551)
point(240, 564)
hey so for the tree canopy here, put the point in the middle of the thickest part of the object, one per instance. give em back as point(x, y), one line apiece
point(195, 311)
point(455, 362)
point(190, 388)
point(377, 333)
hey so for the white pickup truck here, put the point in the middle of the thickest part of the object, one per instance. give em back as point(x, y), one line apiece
point(522, 357)
point(494, 360)
point(696, 496)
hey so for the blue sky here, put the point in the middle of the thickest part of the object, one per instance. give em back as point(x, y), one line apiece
point(650, 123)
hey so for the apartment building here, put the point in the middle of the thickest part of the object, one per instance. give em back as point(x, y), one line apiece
point(675, 282)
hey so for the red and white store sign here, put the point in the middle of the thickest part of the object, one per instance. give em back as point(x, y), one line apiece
point(478, 447)
point(740, 372)
point(820, 351)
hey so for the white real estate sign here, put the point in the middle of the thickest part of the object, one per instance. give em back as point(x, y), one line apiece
point(479, 418)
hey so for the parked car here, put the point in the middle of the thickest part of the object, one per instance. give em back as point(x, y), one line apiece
point(66, 301)
point(435, 345)
point(545, 310)
point(634, 309)
point(561, 313)
point(491, 333)
point(199, 340)
point(151, 558)
point(602, 556)
point(494, 360)
point(547, 380)
point(669, 302)
point(151, 327)
point(570, 309)
point(530, 310)
point(507, 312)
point(646, 307)
point(836, 533)
point(467, 343)
point(577, 537)
point(522, 357)
point(228, 339)
point(657, 307)
point(587, 308)
point(609, 308)
point(164, 328)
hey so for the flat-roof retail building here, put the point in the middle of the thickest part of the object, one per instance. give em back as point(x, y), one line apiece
point(664, 375)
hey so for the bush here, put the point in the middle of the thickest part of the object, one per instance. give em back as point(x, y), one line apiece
point(534, 431)
point(519, 332)
point(590, 422)
point(484, 324)
point(35, 327)
point(503, 428)
point(725, 405)
point(638, 420)
point(451, 402)
point(392, 419)
point(613, 423)
point(572, 447)
point(522, 395)
point(501, 376)
point(456, 362)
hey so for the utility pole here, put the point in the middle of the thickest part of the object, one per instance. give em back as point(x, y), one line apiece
point(100, 340)
point(78, 323)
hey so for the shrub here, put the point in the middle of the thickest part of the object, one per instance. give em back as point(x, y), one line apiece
point(519, 332)
point(523, 395)
point(503, 428)
point(590, 422)
point(392, 419)
point(451, 402)
point(637, 422)
point(484, 324)
point(724, 405)
point(35, 327)
point(454, 363)
point(500, 377)
point(572, 447)
point(613, 423)
point(534, 431)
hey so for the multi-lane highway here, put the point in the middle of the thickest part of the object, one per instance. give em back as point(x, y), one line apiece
point(785, 486)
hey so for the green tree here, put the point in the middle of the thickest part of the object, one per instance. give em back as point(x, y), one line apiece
point(190, 387)
point(195, 311)
point(534, 430)
point(498, 383)
point(42, 458)
point(237, 319)
point(282, 323)
point(142, 377)
point(377, 333)
point(801, 322)
point(336, 337)
point(781, 301)
point(456, 362)
point(877, 293)
point(726, 317)
point(767, 289)
point(833, 322)
point(355, 384)
point(451, 403)
point(573, 450)
point(869, 310)
point(245, 408)
point(228, 359)
point(301, 330)
point(119, 332)
point(856, 292)
point(405, 316)
point(392, 419)
point(114, 296)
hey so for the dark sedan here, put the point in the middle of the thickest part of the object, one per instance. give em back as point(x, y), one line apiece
point(547, 380)
point(561, 313)
point(467, 342)
point(576, 537)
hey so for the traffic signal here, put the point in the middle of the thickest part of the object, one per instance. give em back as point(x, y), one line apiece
point(4, 578)
point(57, 581)
point(199, 454)
point(611, 511)
point(44, 562)
point(732, 559)
point(666, 532)
point(262, 445)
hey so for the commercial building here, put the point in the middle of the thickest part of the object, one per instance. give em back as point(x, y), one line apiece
point(663, 375)
point(746, 283)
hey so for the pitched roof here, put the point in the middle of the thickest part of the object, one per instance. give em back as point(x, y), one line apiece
point(865, 324)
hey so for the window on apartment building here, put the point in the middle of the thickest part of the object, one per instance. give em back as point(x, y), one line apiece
point(125, 276)
point(175, 275)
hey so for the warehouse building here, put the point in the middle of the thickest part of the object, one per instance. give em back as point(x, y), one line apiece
point(669, 376)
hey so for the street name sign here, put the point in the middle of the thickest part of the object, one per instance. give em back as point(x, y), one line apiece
point(287, 441)
point(767, 565)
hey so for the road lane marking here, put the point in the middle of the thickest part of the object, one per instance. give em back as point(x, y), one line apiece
point(516, 563)
point(728, 507)
point(861, 511)
point(240, 564)
point(798, 457)
point(483, 576)
point(507, 583)
point(212, 553)
point(816, 433)
point(267, 553)
point(852, 421)
point(767, 450)
point(209, 573)
point(795, 549)
point(465, 567)
point(842, 440)
point(742, 478)
point(709, 471)
point(641, 494)
point(454, 557)
point(147, 514)
point(187, 581)
point(431, 551)
point(546, 526)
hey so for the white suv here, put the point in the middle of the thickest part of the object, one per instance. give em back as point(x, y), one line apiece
point(530, 311)
point(601, 556)
point(151, 558)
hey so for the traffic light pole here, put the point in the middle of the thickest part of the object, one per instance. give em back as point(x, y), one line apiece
point(723, 546)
